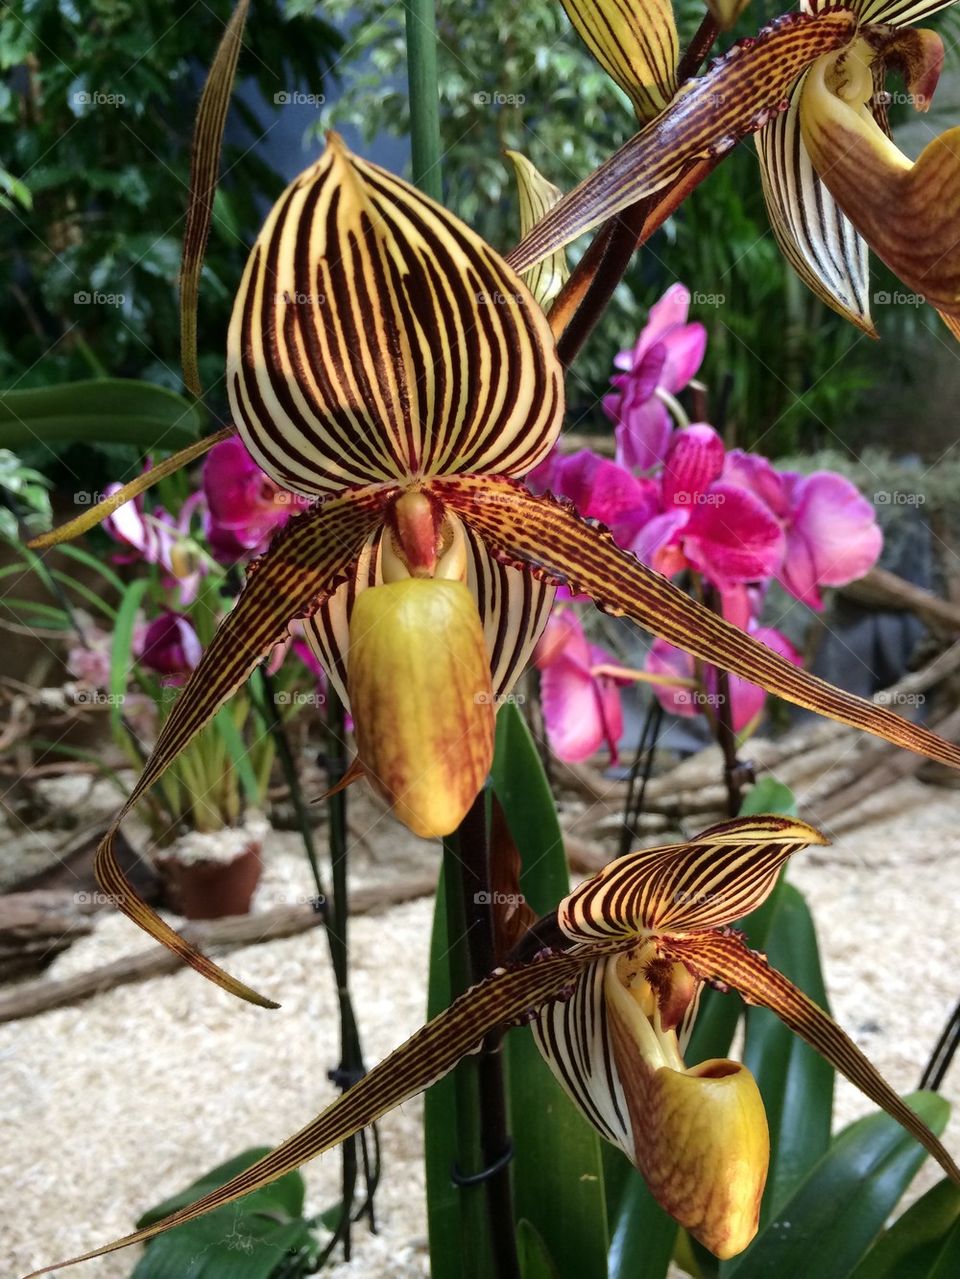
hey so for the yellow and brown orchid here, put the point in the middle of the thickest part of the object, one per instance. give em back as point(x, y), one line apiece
point(385, 361)
point(610, 985)
point(811, 85)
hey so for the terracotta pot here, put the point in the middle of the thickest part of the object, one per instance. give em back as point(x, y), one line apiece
point(212, 889)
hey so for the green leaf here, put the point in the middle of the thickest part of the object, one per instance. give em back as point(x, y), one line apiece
point(769, 796)
point(557, 1168)
point(246, 1240)
point(535, 1261)
point(795, 1082)
point(915, 1243)
point(642, 1235)
point(121, 651)
point(102, 410)
point(840, 1207)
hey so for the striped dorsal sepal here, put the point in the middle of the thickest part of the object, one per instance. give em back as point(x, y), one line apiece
point(308, 560)
point(723, 958)
point(635, 41)
point(677, 889)
point(376, 339)
point(554, 542)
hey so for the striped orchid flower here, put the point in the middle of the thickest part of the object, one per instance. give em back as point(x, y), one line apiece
point(835, 183)
point(609, 985)
point(387, 363)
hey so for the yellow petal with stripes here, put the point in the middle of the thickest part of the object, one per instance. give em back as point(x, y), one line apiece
point(635, 41)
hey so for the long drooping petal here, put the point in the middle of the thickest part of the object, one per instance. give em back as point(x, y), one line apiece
point(707, 117)
point(906, 211)
point(815, 235)
point(553, 540)
point(635, 41)
point(309, 559)
point(728, 871)
point(145, 480)
point(725, 958)
point(204, 165)
point(376, 338)
point(507, 996)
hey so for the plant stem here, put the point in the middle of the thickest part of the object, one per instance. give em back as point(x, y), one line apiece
point(483, 1128)
point(421, 35)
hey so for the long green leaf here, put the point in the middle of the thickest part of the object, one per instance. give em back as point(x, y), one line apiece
point(557, 1168)
point(99, 411)
point(121, 651)
point(840, 1207)
point(914, 1244)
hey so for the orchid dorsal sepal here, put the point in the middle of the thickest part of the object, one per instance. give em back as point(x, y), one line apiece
point(635, 43)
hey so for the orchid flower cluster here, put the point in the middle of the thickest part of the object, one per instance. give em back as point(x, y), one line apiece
point(686, 505)
point(179, 568)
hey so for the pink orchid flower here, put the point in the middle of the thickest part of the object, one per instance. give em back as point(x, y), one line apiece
point(830, 530)
point(666, 355)
point(156, 537)
point(600, 489)
point(171, 648)
point(581, 703)
point(245, 506)
point(746, 699)
point(706, 521)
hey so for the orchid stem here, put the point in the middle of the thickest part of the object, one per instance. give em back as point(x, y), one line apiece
point(421, 37)
point(483, 1130)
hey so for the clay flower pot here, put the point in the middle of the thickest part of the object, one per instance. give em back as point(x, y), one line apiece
point(209, 876)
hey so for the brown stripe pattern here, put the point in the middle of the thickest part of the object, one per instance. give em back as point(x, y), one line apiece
point(635, 41)
point(677, 889)
point(376, 338)
point(513, 604)
point(536, 197)
point(505, 997)
point(897, 13)
point(550, 537)
point(815, 235)
point(308, 560)
point(708, 116)
point(204, 168)
point(726, 959)
point(574, 1037)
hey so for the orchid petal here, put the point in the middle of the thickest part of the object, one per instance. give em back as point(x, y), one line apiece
point(204, 164)
point(732, 536)
point(376, 338)
point(814, 234)
point(694, 460)
point(907, 212)
point(555, 543)
point(896, 13)
point(677, 889)
point(127, 492)
point(707, 117)
point(635, 41)
point(309, 558)
point(537, 197)
point(572, 710)
point(725, 958)
point(833, 537)
point(643, 427)
point(506, 997)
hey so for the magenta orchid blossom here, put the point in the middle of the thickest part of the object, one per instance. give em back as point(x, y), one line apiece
point(171, 648)
point(244, 506)
point(664, 358)
point(579, 690)
point(156, 537)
